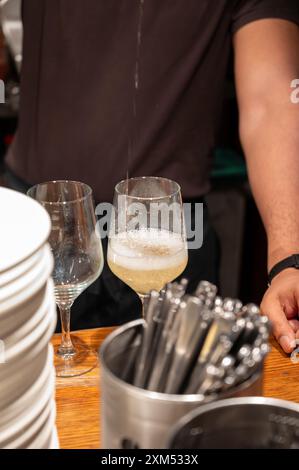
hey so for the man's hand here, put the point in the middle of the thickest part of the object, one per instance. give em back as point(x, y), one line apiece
point(281, 305)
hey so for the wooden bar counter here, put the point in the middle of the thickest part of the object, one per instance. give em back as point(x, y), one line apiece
point(78, 398)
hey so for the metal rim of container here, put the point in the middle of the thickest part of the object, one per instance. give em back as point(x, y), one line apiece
point(158, 395)
point(225, 403)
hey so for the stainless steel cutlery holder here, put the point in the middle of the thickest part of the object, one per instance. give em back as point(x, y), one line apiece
point(137, 418)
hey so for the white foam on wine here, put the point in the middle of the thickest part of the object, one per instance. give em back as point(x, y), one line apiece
point(147, 249)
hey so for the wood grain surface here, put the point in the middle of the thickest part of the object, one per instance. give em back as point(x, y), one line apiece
point(78, 398)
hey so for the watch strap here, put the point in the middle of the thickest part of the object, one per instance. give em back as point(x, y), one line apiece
point(289, 262)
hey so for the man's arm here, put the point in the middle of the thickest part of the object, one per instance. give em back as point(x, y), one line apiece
point(266, 62)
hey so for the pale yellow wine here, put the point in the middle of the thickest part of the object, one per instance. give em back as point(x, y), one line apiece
point(147, 259)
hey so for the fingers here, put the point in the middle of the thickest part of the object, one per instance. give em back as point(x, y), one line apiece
point(290, 309)
point(294, 325)
point(282, 329)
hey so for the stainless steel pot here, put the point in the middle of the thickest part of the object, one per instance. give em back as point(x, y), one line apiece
point(136, 418)
point(239, 423)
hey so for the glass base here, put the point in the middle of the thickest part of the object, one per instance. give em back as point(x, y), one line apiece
point(83, 361)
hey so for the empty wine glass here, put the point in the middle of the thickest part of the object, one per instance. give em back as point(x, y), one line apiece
point(147, 240)
point(78, 261)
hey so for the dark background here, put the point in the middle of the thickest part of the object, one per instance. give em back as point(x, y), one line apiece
point(233, 211)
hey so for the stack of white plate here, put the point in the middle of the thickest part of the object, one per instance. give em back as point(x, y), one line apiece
point(27, 322)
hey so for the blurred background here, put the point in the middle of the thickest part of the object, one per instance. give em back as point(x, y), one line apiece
point(232, 208)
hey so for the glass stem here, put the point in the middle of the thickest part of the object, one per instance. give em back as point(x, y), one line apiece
point(66, 347)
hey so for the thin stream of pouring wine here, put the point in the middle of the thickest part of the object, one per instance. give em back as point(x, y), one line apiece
point(132, 139)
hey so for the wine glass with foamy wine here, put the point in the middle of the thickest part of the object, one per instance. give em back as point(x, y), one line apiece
point(147, 240)
point(78, 261)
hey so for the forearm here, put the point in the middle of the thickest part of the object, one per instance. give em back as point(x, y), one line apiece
point(266, 62)
point(271, 147)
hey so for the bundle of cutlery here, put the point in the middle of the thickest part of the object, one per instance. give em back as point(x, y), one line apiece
point(196, 344)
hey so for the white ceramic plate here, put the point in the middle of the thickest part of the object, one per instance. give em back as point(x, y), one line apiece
point(19, 406)
point(25, 227)
point(20, 269)
point(20, 375)
point(13, 319)
point(21, 378)
point(20, 430)
point(27, 328)
point(17, 285)
point(55, 440)
point(41, 270)
point(19, 350)
point(42, 436)
point(21, 298)
point(20, 440)
point(25, 415)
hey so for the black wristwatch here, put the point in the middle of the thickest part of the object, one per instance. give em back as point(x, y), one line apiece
point(290, 262)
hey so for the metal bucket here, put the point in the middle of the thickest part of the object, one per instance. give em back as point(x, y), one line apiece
point(137, 418)
point(239, 423)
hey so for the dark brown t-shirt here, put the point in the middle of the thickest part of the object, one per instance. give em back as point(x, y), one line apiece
point(77, 118)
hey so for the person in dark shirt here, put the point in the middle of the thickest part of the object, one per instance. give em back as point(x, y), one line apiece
point(78, 91)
